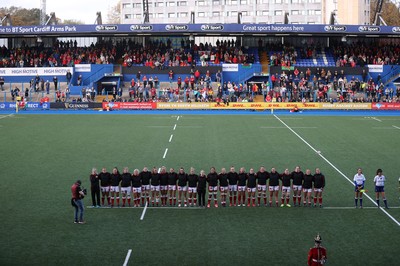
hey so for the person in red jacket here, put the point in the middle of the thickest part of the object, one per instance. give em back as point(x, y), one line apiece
point(317, 254)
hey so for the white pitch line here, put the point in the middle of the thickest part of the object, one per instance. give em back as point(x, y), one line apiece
point(285, 127)
point(4, 116)
point(395, 127)
point(144, 211)
point(337, 170)
point(353, 208)
point(174, 127)
point(127, 257)
point(376, 119)
point(170, 138)
point(177, 119)
point(165, 153)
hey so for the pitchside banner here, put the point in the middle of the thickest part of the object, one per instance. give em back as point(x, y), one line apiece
point(386, 106)
point(33, 71)
point(270, 105)
point(346, 106)
point(127, 105)
point(28, 106)
point(80, 105)
point(192, 106)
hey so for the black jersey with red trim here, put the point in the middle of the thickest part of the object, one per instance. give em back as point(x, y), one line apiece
point(182, 179)
point(286, 180)
point(172, 178)
point(319, 181)
point(115, 179)
point(192, 180)
point(251, 180)
point(308, 180)
point(223, 179)
point(273, 179)
point(233, 178)
point(136, 181)
point(105, 179)
point(298, 178)
point(126, 180)
point(262, 178)
point(145, 177)
point(155, 179)
point(242, 178)
point(212, 179)
point(163, 179)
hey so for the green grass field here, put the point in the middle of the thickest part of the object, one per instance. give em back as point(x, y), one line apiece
point(42, 155)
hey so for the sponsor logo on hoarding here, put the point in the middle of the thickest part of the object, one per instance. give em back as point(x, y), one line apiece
point(335, 28)
point(212, 27)
point(176, 27)
point(369, 29)
point(106, 28)
point(138, 27)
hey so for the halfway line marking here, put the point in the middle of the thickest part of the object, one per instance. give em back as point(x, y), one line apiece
point(353, 208)
point(144, 211)
point(395, 127)
point(337, 170)
point(174, 127)
point(170, 138)
point(127, 257)
point(165, 153)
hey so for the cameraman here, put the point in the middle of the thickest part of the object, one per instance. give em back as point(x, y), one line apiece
point(77, 195)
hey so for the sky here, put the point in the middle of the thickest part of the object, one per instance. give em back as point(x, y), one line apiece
point(83, 10)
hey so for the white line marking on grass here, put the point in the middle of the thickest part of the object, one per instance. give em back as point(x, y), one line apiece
point(353, 208)
point(127, 257)
point(395, 127)
point(170, 138)
point(383, 128)
point(334, 167)
point(4, 116)
point(144, 211)
point(165, 153)
point(177, 119)
point(174, 127)
point(149, 207)
point(376, 119)
point(157, 126)
point(285, 127)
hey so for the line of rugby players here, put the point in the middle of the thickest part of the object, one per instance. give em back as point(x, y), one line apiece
point(151, 186)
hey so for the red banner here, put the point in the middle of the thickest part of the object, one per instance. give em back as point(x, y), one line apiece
point(386, 106)
point(128, 105)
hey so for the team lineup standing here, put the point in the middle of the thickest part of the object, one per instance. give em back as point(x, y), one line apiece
point(159, 187)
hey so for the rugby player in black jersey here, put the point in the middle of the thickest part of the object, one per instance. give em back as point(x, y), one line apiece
point(155, 186)
point(273, 186)
point(212, 179)
point(242, 178)
point(114, 188)
point(307, 187)
point(164, 186)
point(145, 177)
point(251, 188)
point(233, 180)
point(223, 186)
point(182, 187)
point(201, 188)
point(262, 177)
point(172, 178)
point(192, 187)
point(126, 186)
point(319, 185)
point(105, 182)
point(286, 178)
point(298, 178)
point(137, 187)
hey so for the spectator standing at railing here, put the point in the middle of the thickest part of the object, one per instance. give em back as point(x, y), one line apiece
point(55, 81)
point(47, 85)
point(2, 83)
point(68, 76)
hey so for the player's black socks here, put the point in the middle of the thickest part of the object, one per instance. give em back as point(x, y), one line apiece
point(356, 201)
point(377, 201)
point(386, 206)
